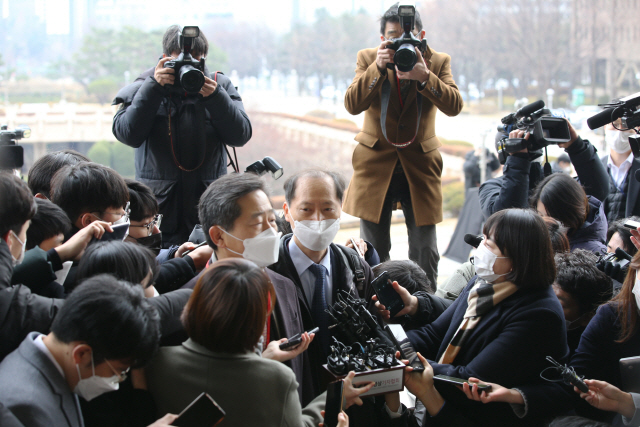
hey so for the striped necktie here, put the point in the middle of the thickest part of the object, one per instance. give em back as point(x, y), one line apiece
point(319, 305)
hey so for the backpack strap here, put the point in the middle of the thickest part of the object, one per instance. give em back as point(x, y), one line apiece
point(355, 265)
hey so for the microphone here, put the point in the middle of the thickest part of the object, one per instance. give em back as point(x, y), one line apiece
point(621, 254)
point(604, 117)
point(530, 108)
point(473, 240)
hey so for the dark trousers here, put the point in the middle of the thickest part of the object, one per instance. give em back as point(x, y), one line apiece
point(423, 248)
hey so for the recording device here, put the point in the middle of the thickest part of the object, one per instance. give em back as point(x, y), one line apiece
point(334, 403)
point(268, 164)
point(473, 240)
point(631, 224)
point(630, 374)
point(120, 232)
point(625, 108)
point(189, 73)
point(459, 381)
point(202, 412)
point(386, 294)
point(360, 357)
point(404, 346)
point(295, 340)
point(539, 122)
point(187, 252)
point(615, 265)
point(11, 154)
point(405, 57)
point(569, 376)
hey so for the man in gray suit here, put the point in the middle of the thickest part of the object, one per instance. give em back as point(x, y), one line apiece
point(104, 328)
point(238, 221)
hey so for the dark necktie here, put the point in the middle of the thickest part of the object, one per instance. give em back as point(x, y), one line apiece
point(319, 305)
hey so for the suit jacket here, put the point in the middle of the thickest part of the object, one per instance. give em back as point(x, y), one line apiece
point(374, 159)
point(633, 205)
point(33, 389)
point(251, 390)
point(286, 321)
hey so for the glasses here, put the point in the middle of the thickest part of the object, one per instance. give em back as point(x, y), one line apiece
point(155, 222)
point(122, 375)
point(124, 216)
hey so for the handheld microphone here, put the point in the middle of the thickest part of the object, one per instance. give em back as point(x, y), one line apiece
point(530, 108)
point(605, 117)
point(474, 240)
point(622, 254)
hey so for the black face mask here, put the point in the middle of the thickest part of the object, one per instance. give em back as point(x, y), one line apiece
point(153, 242)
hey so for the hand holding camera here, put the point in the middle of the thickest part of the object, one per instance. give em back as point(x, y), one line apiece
point(164, 75)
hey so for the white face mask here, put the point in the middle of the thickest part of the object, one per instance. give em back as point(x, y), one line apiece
point(483, 260)
point(94, 386)
point(618, 141)
point(316, 235)
point(262, 249)
point(636, 290)
point(17, 261)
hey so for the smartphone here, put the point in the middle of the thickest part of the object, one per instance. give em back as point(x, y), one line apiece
point(187, 252)
point(386, 294)
point(460, 381)
point(295, 340)
point(202, 412)
point(400, 339)
point(120, 232)
point(333, 405)
point(632, 225)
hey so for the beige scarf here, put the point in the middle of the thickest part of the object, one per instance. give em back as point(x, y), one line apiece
point(482, 298)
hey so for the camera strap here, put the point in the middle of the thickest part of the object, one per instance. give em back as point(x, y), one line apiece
point(385, 94)
point(231, 163)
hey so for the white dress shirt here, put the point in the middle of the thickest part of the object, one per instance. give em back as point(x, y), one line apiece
point(308, 279)
point(42, 347)
point(619, 173)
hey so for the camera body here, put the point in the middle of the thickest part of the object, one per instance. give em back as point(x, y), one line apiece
point(539, 122)
point(626, 109)
point(189, 73)
point(11, 154)
point(405, 57)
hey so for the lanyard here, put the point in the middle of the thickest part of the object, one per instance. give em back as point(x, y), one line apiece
point(384, 106)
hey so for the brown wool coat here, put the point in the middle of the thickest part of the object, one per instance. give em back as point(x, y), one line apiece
point(374, 158)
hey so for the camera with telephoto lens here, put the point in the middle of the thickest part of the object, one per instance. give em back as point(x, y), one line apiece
point(406, 57)
point(11, 154)
point(543, 128)
point(189, 73)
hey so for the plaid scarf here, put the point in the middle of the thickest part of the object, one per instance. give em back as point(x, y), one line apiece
point(482, 298)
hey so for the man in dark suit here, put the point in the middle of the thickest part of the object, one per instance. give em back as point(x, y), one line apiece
point(239, 222)
point(105, 328)
point(622, 201)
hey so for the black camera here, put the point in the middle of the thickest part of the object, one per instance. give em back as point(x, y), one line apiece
point(625, 109)
point(189, 73)
point(614, 265)
point(405, 57)
point(543, 127)
point(11, 154)
point(268, 164)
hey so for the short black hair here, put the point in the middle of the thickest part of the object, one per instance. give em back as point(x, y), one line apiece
point(113, 318)
point(171, 43)
point(579, 276)
point(219, 202)
point(17, 205)
point(291, 183)
point(522, 235)
point(391, 15)
point(143, 201)
point(88, 187)
point(49, 221)
point(617, 226)
point(125, 260)
point(42, 171)
point(407, 273)
point(564, 199)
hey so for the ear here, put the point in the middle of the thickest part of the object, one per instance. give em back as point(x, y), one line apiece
point(287, 214)
point(5, 237)
point(217, 236)
point(40, 196)
point(81, 354)
point(85, 219)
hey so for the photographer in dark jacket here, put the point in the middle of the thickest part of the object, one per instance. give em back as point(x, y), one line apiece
point(179, 164)
point(521, 175)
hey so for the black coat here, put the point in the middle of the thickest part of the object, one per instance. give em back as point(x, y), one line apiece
point(511, 190)
point(142, 122)
point(633, 202)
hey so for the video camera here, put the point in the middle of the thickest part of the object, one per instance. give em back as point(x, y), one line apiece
point(539, 122)
point(189, 73)
point(625, 109)
point(614, 265)
point(11, 154)
point(405, 57)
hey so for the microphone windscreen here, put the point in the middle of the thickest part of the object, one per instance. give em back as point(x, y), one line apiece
point(530, 108)
point(622, 254)
point(473, 240)
point(604, 117)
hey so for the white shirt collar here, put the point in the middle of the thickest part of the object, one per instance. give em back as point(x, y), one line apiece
point(628, 160)
point(302, 262)
point(41, 345)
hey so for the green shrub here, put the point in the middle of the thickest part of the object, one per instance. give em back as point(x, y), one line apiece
point(115, 155)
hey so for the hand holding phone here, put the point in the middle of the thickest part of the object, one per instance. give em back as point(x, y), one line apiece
point(459, 381)
point(386, 294)
point(404, 346)
point(334, 403)
point(295, 340)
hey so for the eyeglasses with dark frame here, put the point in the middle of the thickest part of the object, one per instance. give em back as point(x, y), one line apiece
point(156, 221)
